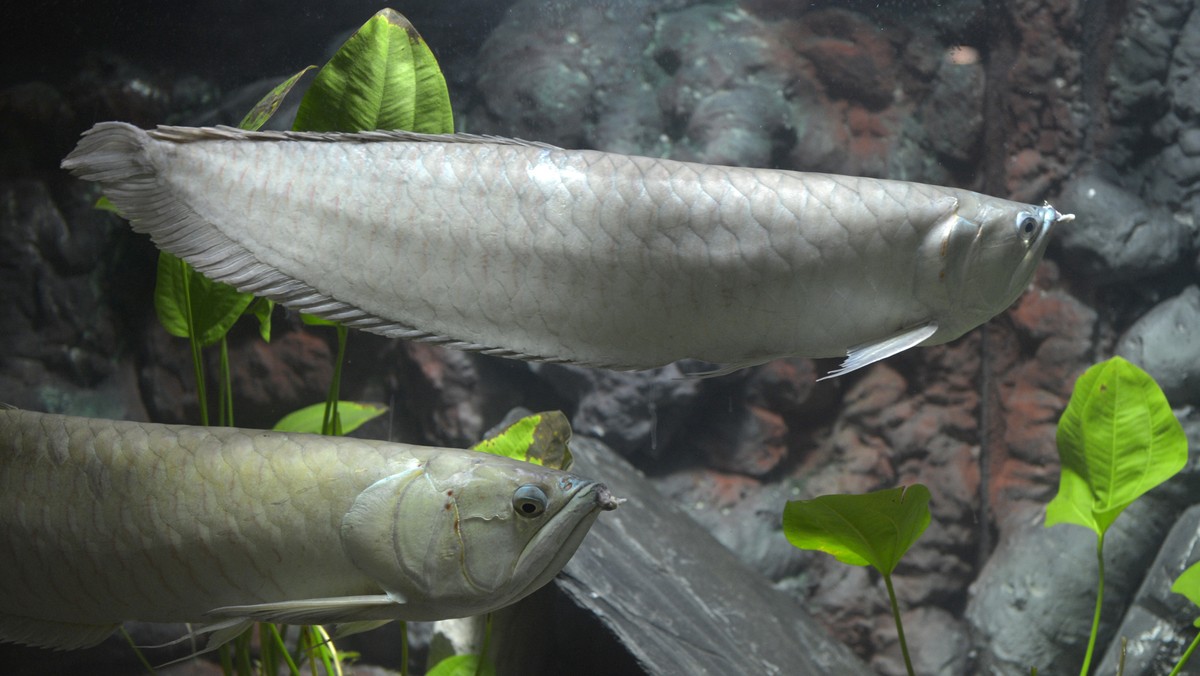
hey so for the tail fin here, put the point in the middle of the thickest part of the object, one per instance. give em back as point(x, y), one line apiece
point(111, 152)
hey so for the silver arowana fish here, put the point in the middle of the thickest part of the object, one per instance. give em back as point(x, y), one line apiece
point(531, 251)
point(103, 521)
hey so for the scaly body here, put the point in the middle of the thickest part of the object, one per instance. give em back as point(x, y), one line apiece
point(103, 521)
point(585, 257)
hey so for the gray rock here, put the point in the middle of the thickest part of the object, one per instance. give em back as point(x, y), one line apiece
point(1033, 602)
point(955, 109)
point(675, 599)
point(1116, 236)
point(1158, 625)
point(1166, 343)
point(634, 412)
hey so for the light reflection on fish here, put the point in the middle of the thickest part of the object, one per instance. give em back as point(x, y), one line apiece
point(529, 251)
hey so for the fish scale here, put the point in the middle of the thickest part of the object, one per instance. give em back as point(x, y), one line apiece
point(577, 256)
point(103, 521)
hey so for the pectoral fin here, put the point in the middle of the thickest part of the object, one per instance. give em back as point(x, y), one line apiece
point(333, 610)
point(869, 353)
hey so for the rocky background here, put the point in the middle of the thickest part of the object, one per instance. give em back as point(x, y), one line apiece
point(1092, 104)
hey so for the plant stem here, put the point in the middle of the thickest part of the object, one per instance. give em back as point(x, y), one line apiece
point(226, 396)
point(1187, 653)
point(280, 645)
point(1087, 658)
point(197, 360)
point(887, 580)
point(330, 425)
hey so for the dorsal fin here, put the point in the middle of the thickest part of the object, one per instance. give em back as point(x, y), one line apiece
point(224, 133)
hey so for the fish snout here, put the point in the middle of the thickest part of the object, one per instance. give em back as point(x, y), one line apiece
point(605, 499)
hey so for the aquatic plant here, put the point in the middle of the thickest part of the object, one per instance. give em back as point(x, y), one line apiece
point(1117, 439)
point(872, 529)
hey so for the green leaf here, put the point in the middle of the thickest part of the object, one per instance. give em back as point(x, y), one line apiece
point(352, 415)
point(266, 107)
point(105, 204)
point(541, 438)
point(462, 665)
point(313, 320)
point(215, 306)
point(1117, 439)
point(1188, 585)
point(383, 77)
point(261, 310)
point(873, 529)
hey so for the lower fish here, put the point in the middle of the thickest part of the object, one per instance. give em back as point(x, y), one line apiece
point(104, 521)
point(530, 251)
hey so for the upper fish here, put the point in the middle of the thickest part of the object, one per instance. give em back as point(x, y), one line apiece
point(530, 251)
point(103, 521)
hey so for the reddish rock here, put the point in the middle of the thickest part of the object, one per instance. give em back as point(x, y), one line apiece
point(851, 57)
point(751, 441)
point(443, 394)
point(1052, 346)
point(273, 379)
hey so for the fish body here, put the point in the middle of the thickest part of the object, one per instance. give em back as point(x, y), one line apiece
point(600, 259)
point(104, 521)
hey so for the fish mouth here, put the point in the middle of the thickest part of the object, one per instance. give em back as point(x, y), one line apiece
point(605, 499)
point(583, 509)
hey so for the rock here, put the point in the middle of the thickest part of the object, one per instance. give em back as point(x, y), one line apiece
point(937, 642)
point(1032, 603)
point(1158, 625)
point(955, 109)
point(1165, 342)
point(1116, 236)
point(1035, 364)
point(60, 269)
point(1036, 128)
point(850, 56)
point(747, 439)
point(676, 601)
point(633, 412)
point(741, 512)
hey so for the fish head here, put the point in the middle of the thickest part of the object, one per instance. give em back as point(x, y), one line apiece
point(991, 249)
point(468, 533)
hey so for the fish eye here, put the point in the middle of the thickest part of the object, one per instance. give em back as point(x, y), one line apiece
point(529, 500)
point(1028, 226)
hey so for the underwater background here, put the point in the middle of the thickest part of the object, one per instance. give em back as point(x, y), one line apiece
point(1093, 105)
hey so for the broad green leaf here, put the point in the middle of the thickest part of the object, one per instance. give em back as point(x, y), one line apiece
point(215, 306)
point(266, 107)
point(873, 529)
point(1117, 439)
point(1188, 585)
point(261, 309)
point(541, 438)
point(383, 77)
point(308, 420)
point(462, 665)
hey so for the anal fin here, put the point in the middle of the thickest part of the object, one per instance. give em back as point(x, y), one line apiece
point(333, 610)
point(869, 353)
